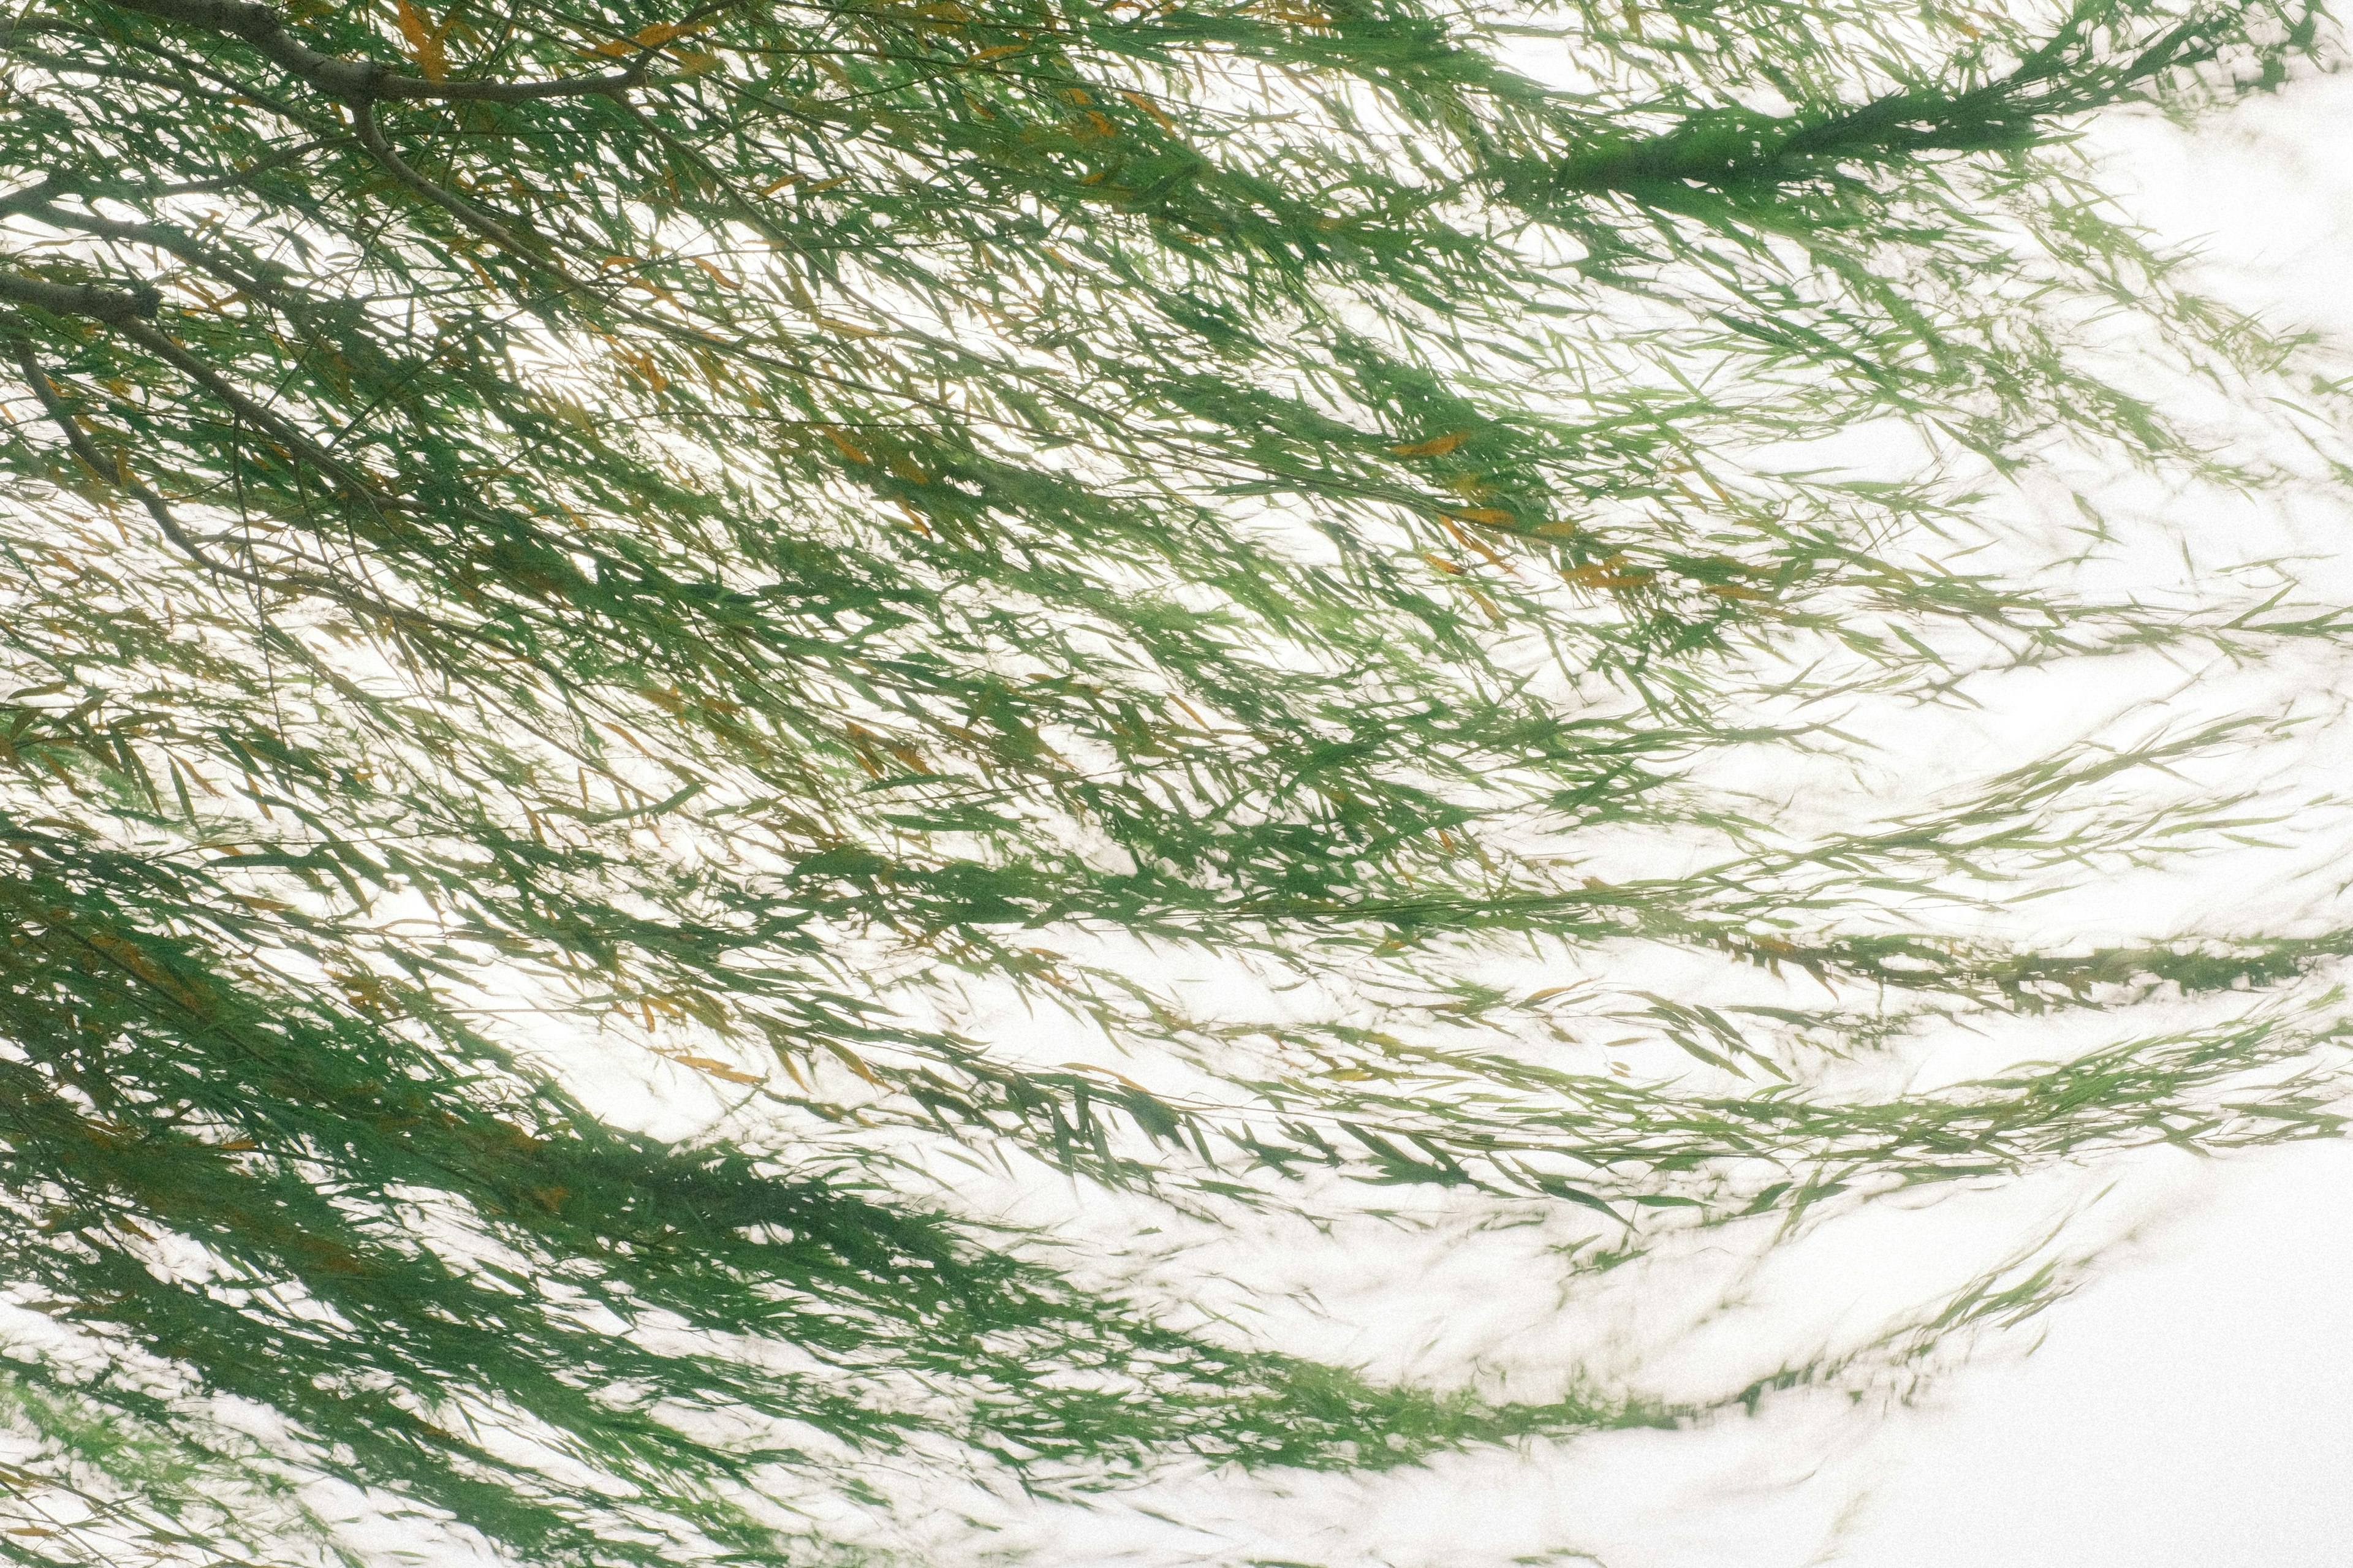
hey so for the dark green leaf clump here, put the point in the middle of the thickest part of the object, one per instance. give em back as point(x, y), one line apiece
point(752, 535)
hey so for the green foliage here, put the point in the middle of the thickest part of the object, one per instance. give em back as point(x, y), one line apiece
point(727, 531)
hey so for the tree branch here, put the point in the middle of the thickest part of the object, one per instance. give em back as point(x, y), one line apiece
point(360, 81)
point(238, 89)
point(34, 205)
point(230, 182)
point(350, 477)
point(118, 473)
point(140, 301)
point(371, 138)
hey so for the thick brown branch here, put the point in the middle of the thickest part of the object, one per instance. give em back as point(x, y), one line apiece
point(45, 188)
point(359, 81)
point(91, 299)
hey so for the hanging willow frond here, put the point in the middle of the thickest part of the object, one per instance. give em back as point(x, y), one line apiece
point(753, 534)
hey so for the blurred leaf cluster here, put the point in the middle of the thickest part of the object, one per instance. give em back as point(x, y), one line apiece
point(744, 531)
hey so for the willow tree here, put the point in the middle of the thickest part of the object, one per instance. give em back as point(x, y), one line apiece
point(764, 535)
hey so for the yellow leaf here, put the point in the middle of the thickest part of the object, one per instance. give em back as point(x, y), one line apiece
point(645, 367)
point(1491, 515)
point(1606, 574)
point(999, 53)
point(849, 451)
point(716, 276)
point(717, 1068)
point(652, 37)
point(1735, 591)
point(1150, 108)
point(1436, 446)
point(849, 1059)
point(424, 42)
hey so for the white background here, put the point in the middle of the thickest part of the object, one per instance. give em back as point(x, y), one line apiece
point(2195, 1407)
point(2190, 1407)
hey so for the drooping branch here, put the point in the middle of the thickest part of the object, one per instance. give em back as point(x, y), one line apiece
point(159, 237)
point(361, 81)
point(371, 137)
point(93, 300)
point(116, 470)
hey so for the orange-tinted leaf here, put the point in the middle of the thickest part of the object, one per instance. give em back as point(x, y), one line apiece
point(1436, 447)
point(717, 1068)
point(1150, 108)
point(849, 1059)
point(424, 42)
point(1606, 574)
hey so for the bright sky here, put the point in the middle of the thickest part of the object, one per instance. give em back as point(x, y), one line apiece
point(2191, 1404)
point(2195, 1405)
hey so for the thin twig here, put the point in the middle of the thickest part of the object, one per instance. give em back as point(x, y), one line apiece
point(117, 471)
point(359, 81)
point(480, 222)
